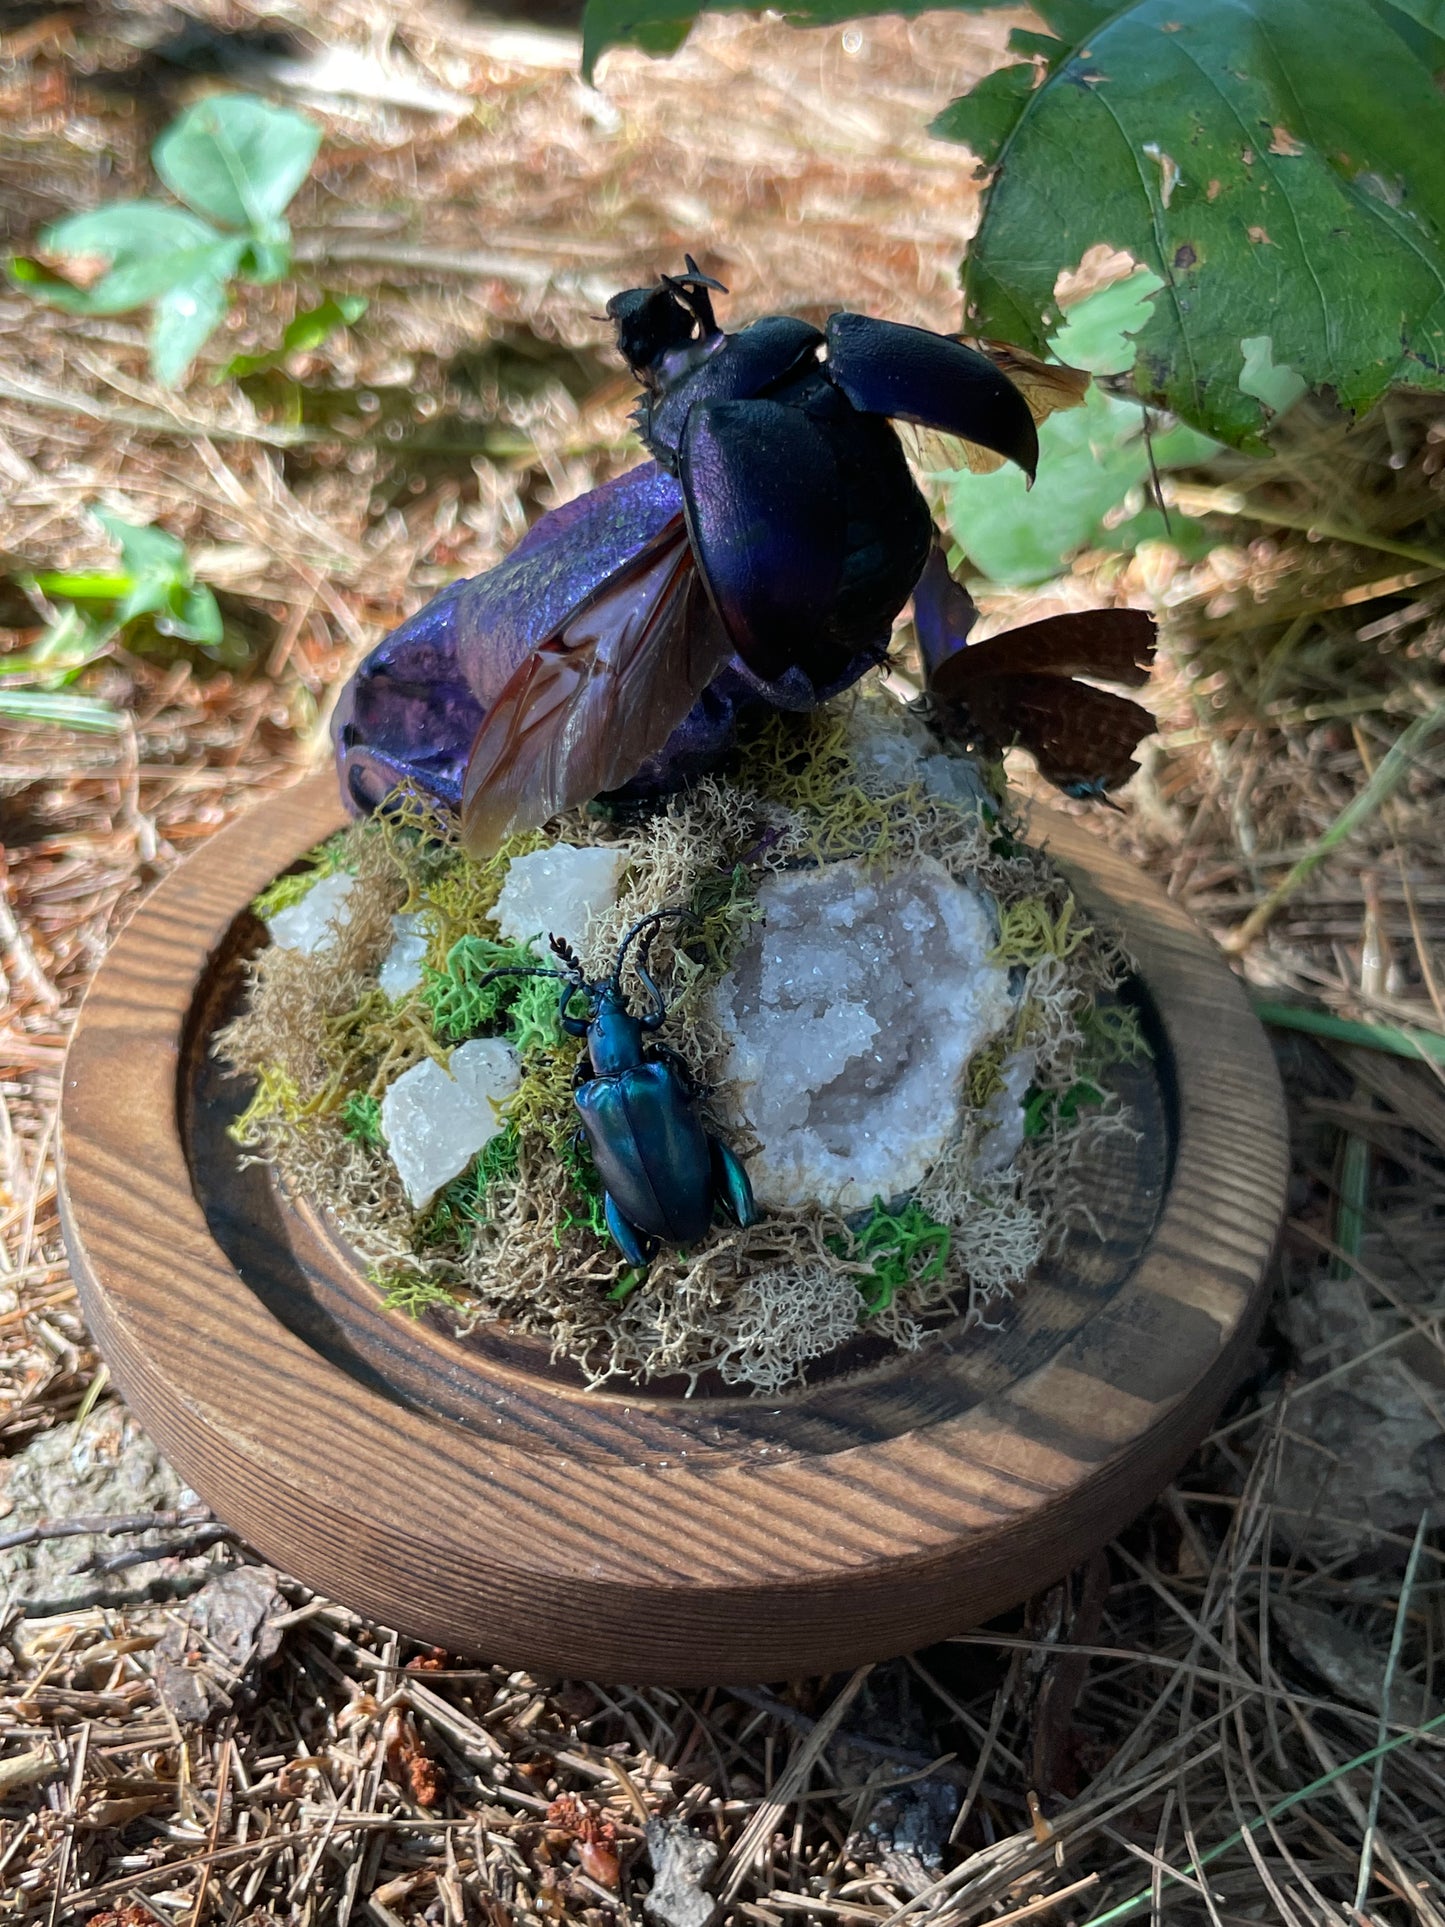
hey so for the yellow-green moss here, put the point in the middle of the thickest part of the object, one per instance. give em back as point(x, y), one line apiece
point(1031, 929)
point(806, 764)
point(983, 1078)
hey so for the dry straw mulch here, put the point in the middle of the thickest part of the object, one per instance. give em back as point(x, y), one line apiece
point(1234, 1715)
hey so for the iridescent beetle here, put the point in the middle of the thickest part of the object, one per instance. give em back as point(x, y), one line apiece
point(760, 558)
point(662, 1174)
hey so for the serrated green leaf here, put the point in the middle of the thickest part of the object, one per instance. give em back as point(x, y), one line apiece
point(184, 320)
point(1275, 162)
point(983, 119)
point(238, 159)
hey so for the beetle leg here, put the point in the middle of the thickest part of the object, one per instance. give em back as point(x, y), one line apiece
point(730, 1182)
point(635, 1247)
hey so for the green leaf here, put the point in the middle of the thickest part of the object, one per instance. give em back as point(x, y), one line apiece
point(65, 647)
point(162, 581)
point(661, 26)
point(69, 712)
point(984, 119)
point(151, 248)
point(1089, 460)
point(144, 551)
point(185, 318)
point(1074, 20)
point(238, 159)
point(268, 261)
point(198, 618)
point(308, 331)
point(1429, 14)
point(1274, 162)
point(1023, 41)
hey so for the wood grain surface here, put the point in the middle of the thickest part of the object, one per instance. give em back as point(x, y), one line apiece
point(473, 1494)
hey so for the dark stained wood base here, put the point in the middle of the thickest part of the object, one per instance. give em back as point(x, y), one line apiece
point(476, 1495)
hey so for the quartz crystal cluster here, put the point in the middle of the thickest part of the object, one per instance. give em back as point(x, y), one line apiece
point(852, 1013)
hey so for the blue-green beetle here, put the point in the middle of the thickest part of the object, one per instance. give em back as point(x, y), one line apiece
point(662, 1174)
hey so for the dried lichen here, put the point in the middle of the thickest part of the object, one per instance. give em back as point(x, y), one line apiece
point(520, 1234)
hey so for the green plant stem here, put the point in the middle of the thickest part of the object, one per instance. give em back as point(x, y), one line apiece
point(1227, 501)
point(1127, 1908)
point(1391, 771)
point(1397, 1039)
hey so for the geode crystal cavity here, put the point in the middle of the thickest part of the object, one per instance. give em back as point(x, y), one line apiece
point(852, 1012)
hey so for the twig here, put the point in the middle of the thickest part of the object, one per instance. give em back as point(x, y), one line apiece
point(157, 421)
point(1126, 1909)
point(100, 1525)
point(223, 1782)
point(186, 1547)
point(1227, 501)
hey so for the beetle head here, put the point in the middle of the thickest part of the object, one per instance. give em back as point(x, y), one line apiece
point(664, 331)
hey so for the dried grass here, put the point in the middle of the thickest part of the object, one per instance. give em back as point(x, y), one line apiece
point(1205, 1710)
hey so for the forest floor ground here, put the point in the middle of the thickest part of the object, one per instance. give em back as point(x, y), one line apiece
point(1255, 1732)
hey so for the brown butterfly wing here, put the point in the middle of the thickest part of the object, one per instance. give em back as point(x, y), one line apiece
point(1083, 739)
point(1116, 645)
point(591, 703)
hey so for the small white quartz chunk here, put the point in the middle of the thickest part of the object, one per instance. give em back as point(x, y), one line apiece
point(1004, 1115)
point(401, 967)
point(311, 924)
point(435, 1123)
point(852, 1014)
point(557, 892)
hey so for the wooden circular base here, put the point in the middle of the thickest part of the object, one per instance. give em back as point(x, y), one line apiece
point(474, 1495)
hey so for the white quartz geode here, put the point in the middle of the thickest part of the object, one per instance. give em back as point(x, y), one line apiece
point(852, 1012)
point(435, 1121)
point(557, 892)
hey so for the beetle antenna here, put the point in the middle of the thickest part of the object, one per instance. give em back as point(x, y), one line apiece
point(560, 947)
point(650, 922)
